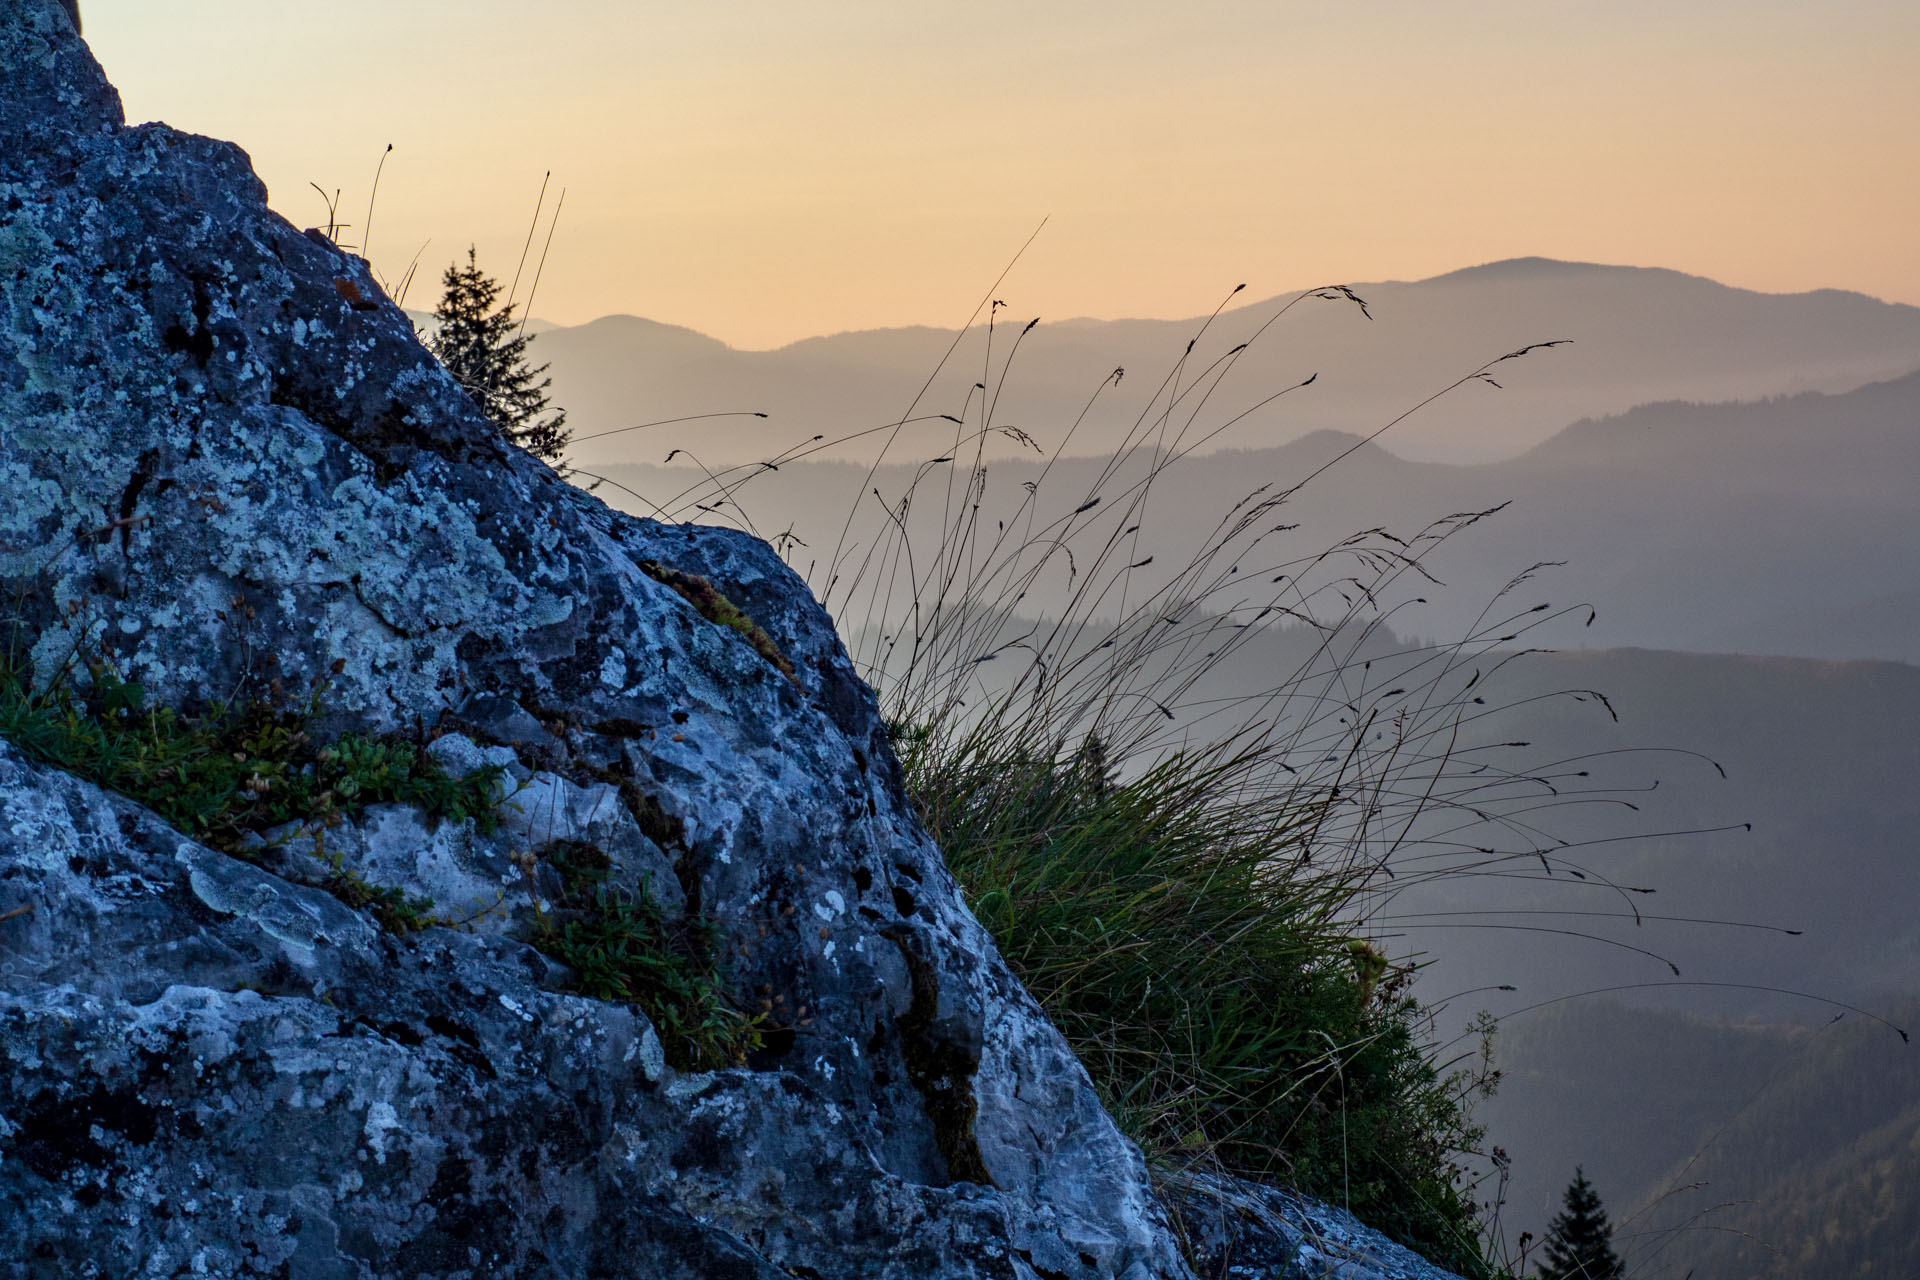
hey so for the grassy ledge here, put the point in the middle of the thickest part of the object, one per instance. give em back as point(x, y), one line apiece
point(239, 771)
point(235, 771)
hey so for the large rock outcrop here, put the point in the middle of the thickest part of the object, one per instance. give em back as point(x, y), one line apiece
point(226, 467)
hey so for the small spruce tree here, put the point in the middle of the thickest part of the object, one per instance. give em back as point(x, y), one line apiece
point(1579, 1244)
point(480, 347)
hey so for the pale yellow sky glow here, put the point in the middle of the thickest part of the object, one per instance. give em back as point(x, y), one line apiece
point(765, 172)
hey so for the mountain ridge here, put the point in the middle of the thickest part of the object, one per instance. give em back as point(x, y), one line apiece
point(1498, 270)
point(1637, 335)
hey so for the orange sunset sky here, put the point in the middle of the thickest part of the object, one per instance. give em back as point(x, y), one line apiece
point(765, 172)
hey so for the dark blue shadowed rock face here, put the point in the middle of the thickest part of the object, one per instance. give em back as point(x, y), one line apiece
point(226, 462)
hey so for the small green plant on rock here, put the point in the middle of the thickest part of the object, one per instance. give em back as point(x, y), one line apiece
point(397, 910)
point(625, 948)
point(708, 601)
point(236, 771)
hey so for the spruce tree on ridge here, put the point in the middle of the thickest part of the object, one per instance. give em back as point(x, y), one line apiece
point(479, 345)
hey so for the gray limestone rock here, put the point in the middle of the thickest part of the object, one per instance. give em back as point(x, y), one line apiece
point(227, 468)
point(206, 1069)
point(1239, 1230)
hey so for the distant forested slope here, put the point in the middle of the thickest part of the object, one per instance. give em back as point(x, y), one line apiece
point(1790, 1152)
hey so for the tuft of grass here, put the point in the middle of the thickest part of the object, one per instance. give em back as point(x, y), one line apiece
point(1180, 869)
point(1209, 983)
point(624, 948)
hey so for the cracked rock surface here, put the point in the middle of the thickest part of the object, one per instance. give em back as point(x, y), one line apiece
point(227, 466)
point(1239, 1230)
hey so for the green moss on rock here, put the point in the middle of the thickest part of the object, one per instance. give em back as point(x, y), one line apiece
point(708, 601)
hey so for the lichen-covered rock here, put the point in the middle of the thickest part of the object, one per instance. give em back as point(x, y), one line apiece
point(229, 472)
point(228, 469)
point(205, 1069)
point(496, 882)
point(1240, 1230)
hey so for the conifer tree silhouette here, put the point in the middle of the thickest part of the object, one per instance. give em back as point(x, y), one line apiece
point(1579, 1244)
point(480, 346)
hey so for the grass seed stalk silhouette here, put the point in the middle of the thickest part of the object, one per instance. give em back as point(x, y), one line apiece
point(1199, 882)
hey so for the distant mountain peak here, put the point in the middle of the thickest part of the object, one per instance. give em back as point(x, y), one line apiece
point(641, 324)
point(1535, 268)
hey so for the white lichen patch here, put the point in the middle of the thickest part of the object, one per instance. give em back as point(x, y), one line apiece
point(686, 1088)
point(652, 1054)
point(382, 1120)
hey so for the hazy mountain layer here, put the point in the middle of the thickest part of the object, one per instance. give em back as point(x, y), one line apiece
point(1781, 526)
point(1820, 760)
point(1637, 335)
